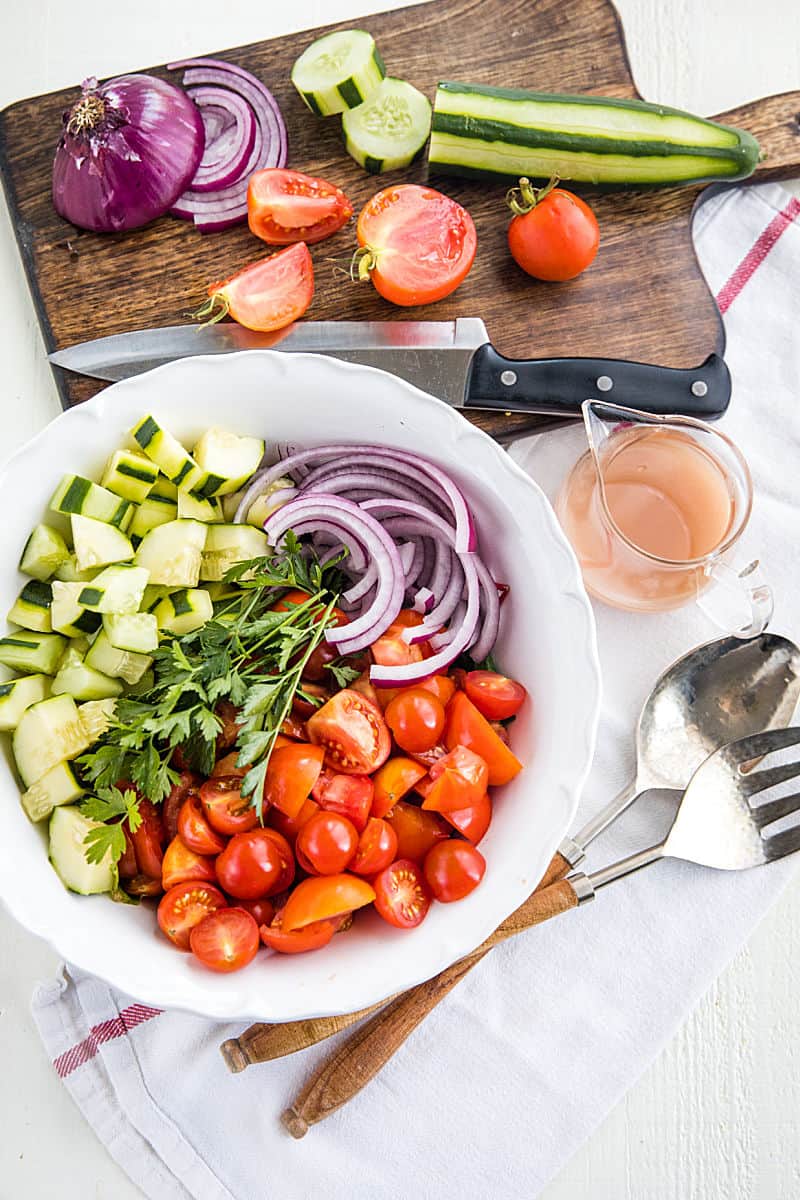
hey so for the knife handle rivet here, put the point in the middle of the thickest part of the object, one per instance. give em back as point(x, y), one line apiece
point(699, 388)
point(604, 383)
point(509, 378)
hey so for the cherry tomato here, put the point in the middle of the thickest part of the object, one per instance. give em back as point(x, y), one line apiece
point(289, 827)
point(317, 696)
point(288, 865)
point(495, 696)
point(420, 243)
point(126, 866)
point(294, 596)
point(349, 795)
point(226, 809)
point(292, 772)
point(442, 687)
point(416, 719)
point(287, 206)
point(267, 294)
point(148, 840)
point(228, 714)
point(458, 780)
point(226, 940)
point(250, 865)
point(293, 729)
point(352, 732)
point(402, 896)
point(453, 869)
point(416, 830)
point(326, 844)
point(377, 848)
point(171, 806)
point(298, 941)
point(180, 863)
point(227, 766)
point(554, 235)
point(472, 822)
point(325, 896)
point(466, 727)
point(394, 780)
point(143, 885)
point(262, 910)
point(185, 906)
point(194, 829)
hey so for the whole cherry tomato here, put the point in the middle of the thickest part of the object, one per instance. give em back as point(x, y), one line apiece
point(326, 844)
point(352, 732)
point(377, 848)
point(402, 897)
point(226, 809)
point(262, 910)
point(494, 695)
point(226, 940)
point(186, 905)
point(453, 869)
point(416, 718)
point(554, 234)
point(250, 865)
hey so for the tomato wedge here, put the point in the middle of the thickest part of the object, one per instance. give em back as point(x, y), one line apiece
point(394, 780)
point(292, 772)
point(185, 906)
point(288, 206)
point(195, 830)
point(416, 830)
point(349, 795)
point(466, 727)
point(495, 696)
point(458, 780)
point(325, 896)
point(419, 244)
point(268, 294)
point(377, 848)
point(472, 822)
point(298, 941)
point(181, 864)
point(352, 732)
point(402, 896)
point(226, 940)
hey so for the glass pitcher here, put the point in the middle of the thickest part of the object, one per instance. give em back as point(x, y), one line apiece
point(654, 509)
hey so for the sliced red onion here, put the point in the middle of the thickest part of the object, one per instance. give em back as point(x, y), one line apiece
point(367, 581)
point(424, 600)
point(228, 147)
point(390, 482)
point(490, 613)
point(343, 535)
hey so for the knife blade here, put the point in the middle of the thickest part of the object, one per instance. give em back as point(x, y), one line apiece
point(453, 360)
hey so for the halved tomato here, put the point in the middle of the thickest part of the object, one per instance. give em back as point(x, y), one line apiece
point(495, 696)
point(195, 830)
point(325, 896)
point(416, 829)
point(186, 905)
point(458, 780)
point(180, 864)
point(267, 294)
point(298, 941)
point(402, 896)
point(226, 940)
point(226, 809)
point(377, 848)
point(287, 206)
point(349, 795)
point(292, 772)
point(394, 780)
point(352, 732)
point(467, 727)
point(472, 822)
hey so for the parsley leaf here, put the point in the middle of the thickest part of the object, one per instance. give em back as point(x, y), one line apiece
point(343, 672)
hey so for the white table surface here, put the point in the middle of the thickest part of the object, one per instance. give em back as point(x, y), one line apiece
point(715, 1118)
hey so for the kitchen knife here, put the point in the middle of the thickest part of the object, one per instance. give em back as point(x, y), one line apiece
point(453, 360)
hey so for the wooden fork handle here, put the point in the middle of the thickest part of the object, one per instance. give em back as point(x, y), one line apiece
point(369, 1049)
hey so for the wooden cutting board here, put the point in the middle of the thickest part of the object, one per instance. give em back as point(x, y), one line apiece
point(644, 298)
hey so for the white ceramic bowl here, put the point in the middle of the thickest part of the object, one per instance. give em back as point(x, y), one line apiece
point(547, 640)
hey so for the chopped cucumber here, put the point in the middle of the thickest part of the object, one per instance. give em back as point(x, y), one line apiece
point(58, 786)
point(338, 71)
point(31, 609)
point(48, 732)
point(84, 683)
point(228, 460)
point(45, 551)
point(222, 591)
point(390, 129)
point(78, 495)
point(130, 475)
point(30, 651)
point(120, 664)
point(132, 631)
point(168, 454)
point(117, 589)
point(68, 830)
point(152, 594)
point(17, 695)
point(184, 611)
point(227, 545)
point(68, 572)
point(95, 717)
point(154, 511)
point(67, 614)
point(172, 552)
point(98, 544)
point(191, 508)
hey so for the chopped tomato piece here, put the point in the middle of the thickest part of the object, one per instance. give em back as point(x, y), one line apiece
point(171, 805)
point(289, 827)
point(262, 910)
point(392, 650)
point(287, 206)
point(325, 896)
point(394, 780)
point(227, 765)
point(267, 294)
point(467, 727)
point(148, 840)
point(298, 941)
point(195, 830)
point(227, 810)
point(228, 715)
point(442, 687)
point(458, 780)
point(226, 940)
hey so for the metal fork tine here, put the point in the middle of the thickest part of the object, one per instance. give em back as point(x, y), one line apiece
point(759, 745)
point(758, 781)
point(773, 810)
point(782, 843)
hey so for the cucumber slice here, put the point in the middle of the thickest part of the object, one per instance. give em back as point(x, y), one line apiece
point(184, 611)
point(96, 717)
point(98, 544)
point(58, 786)
point(338, 71)
point(191, 508)
point(172, 552)
point(390, 129)
point(168, 454)
point(48, 732)
point(228, 460)
point(84, 683)
point(68, 572)
point(117, 589)
point(68, 830)
point(119, 664)
point(29, 651)
point(130, 475)
point(78, 495)
point(152, 512)
point(67, 614)
point(31, 609)
point(137, 632)
point(45, 551)
point(17, 695)
point(227, 545)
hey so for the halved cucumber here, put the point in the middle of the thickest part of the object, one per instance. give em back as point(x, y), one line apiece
point(168, 454)
point(31, 609)
point(48, 732)
point(390, 129)
point(192, 508)
point(338, 71)
point(137, 632)
point(227, 545)
point(45, 551)
point(184, 611)
point(95, 717)
point(98, 544)
point(78, 495)
point(58, 786)
point(129, 475)
point(227, 459)
point(67, 614)
point(85, 683)
point(117, 589)
point(29, 651)
point(172, 552)
point(68, 571)
point(68, 830)
point(17, 695)
point(119, 664)
point(154, 511)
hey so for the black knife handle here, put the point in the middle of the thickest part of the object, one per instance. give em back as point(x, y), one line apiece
point(559, 386)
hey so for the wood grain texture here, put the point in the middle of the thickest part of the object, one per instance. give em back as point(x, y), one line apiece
point(644, 297)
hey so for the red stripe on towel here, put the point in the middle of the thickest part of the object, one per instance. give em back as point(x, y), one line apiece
point(757, 253)
point(106, 1031)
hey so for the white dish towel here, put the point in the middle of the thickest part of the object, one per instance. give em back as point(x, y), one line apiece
point(502, 1083)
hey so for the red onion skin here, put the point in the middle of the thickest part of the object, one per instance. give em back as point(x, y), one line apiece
point(127, 151)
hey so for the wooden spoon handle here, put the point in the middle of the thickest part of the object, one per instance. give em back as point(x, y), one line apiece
point(262, 1043)
point(369, 1049)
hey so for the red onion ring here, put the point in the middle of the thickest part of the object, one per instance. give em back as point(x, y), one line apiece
point(226, 154)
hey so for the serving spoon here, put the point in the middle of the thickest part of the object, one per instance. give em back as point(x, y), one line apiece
point(718, 692)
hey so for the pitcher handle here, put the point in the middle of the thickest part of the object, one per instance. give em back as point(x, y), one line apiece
point(738, 600)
